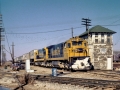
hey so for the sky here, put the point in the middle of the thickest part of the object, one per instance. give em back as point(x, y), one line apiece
point(29, 23)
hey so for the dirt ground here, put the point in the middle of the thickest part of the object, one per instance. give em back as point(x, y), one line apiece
point(11, 82)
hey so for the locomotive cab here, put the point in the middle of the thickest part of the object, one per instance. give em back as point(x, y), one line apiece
point(78, 56)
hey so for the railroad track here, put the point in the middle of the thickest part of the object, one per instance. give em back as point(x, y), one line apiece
point(91, 83)
point(80, 81)
point(106, 74)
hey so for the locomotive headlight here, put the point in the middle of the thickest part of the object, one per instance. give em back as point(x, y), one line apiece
point(76, 50)
point(79, 50)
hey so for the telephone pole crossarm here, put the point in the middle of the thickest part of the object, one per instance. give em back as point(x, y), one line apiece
point(86, 22)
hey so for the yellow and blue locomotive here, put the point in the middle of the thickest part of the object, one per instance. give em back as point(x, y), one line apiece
point(71, 54)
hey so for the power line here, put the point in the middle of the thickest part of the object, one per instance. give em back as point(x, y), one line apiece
point(60, 30)
point(39, 32)
point(46, 31)
point(115, 21)
point(118, 38)
point(8, 44)
point(116, 42)
point(108, 25)
point(46, 39)
point(7, 50)
point(87, 23)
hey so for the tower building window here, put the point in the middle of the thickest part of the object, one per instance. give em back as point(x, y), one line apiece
point(96, 40)
point(108, 35)
point(96, 34)
point(108, 40)
point(102, 40)
point(102, 34)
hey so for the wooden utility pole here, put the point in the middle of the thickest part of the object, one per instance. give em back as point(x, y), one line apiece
point(13, 52)
point(72, 31)
point(1, 37)
point(0, 47)
point(86, 23)
point(2, 59)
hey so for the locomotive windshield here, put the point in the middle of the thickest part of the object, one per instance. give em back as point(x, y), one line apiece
point(74, 43)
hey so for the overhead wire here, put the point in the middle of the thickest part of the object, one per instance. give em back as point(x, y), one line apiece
point(59, 30)
point(107, 25)
point(56, 36)
point(118, 38)
point(62, 29)
point(7, 50)
point(39, 32)
point(7, 42)
point(116, 21)
point(39, 25)
point(46, 31)
point(8, 45)
point(46, 39)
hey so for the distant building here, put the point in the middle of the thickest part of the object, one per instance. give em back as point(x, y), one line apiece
point(100, 44)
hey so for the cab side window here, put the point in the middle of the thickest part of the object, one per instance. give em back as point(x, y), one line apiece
point(69, 45)
point(65, 45)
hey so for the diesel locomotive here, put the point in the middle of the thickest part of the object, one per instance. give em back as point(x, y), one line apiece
point(71, 54)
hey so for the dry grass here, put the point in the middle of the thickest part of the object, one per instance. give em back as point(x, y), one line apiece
point(26, 79)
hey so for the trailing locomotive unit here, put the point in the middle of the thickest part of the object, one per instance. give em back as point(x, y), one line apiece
point(71, 54)
point(32, 56)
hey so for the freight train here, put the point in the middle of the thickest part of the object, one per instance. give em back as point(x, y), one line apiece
point(71, 54)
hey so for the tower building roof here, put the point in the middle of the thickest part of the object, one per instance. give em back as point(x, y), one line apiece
point(97, 29)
